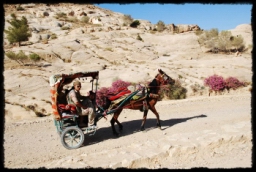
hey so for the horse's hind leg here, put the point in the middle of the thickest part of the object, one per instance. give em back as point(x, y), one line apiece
point(113, 120)
point(144, 120)
point(118, 123)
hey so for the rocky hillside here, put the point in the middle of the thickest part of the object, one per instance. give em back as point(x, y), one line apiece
point(69, 45)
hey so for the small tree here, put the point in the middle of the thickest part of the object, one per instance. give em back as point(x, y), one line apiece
point(18, 31)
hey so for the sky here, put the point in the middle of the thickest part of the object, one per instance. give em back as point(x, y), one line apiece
point(206, 16)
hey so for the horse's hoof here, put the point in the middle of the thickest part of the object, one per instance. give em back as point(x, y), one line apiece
point(142, 129)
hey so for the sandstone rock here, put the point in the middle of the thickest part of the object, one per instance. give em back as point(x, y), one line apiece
point(35, 37)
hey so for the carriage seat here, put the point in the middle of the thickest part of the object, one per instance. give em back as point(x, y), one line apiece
point(67, 110)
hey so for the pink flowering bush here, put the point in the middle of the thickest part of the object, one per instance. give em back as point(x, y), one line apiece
point(118, 84)
point(233, 83)
point(106, 91)
point(215, 82)
point(101, 94)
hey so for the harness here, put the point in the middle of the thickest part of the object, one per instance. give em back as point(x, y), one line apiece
point(125, 95)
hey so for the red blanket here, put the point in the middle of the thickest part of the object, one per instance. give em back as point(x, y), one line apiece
point(122, 92)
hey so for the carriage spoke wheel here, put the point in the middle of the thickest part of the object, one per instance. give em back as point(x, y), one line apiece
point(72, 137)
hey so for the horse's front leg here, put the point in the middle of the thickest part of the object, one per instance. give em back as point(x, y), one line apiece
point(142, 128)
point(153, 109)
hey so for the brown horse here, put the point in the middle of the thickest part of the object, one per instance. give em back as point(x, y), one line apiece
point(147, 102)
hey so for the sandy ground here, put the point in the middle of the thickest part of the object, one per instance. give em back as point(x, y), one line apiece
point(211, 132)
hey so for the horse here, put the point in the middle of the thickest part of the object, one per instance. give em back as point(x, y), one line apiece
point(145, 103)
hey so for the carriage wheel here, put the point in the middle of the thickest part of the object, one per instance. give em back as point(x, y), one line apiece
point(72, 137)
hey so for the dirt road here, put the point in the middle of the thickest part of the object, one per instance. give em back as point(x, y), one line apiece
point(212, 132)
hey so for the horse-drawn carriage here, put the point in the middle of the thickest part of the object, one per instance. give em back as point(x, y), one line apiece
point(72, 136)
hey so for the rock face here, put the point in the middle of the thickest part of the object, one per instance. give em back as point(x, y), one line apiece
point(245, 30)
point(182, 28)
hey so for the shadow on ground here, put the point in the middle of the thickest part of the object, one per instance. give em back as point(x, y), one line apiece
point(131, 127)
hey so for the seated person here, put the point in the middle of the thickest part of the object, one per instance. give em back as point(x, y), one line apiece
point(88, 101)
point(74, 97)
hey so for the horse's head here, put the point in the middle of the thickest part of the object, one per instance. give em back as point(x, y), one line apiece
point(164, 78)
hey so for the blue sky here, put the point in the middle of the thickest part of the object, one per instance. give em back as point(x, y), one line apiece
point(206, 16)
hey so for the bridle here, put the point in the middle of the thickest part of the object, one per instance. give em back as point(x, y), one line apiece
point(164, 79)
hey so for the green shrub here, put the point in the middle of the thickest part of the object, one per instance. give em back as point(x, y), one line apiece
point(135, 23)
point(65, 28)
point(85, 19)
point(220, 42)
point(109, 49)
point(127, 20)
point(20, 57)
point(20, 8)
point(224, 41)
point(72, 19)
point(54, 36)
point(209, 38)
point(60, 15)
point(34, 57)
point(199, 32)
point(175, 91)
point(139, 38)
point(238, 42)
point(11, 55)
point(160, 26)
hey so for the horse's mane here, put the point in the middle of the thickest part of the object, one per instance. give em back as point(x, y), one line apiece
point(153, 86)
